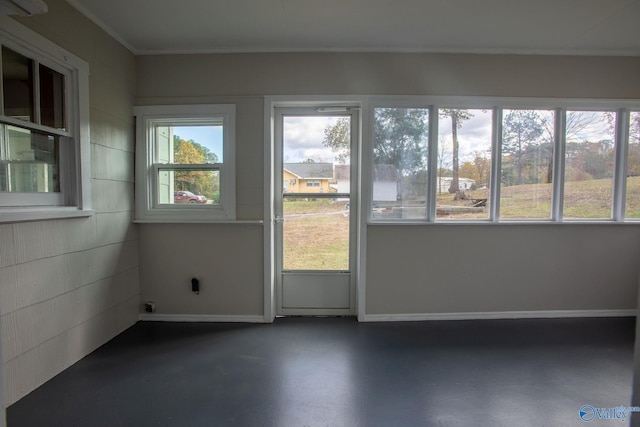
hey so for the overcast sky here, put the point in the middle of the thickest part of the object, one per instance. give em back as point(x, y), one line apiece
point(303, 138)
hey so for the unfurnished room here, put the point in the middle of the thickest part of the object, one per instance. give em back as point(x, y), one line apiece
point(329, 213)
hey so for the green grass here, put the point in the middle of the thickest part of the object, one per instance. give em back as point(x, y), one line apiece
point(316, 232)
point(316, 235)
point(582, 200)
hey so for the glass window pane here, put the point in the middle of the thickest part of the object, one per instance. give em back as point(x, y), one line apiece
point(315, 234)
point(29, 161)
point(464, 164)
point(17, 85)
point(527, 164)
point(193, 187)
point(589, 161)
point(633, 168)
point(316, 154)
point(197, 144)
point(400, 150)
point(52, 98)
point(189, 145)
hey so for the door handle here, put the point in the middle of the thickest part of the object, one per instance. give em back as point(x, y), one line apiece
point(278, 220)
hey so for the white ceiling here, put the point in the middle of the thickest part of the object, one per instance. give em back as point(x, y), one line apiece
point(591, 27)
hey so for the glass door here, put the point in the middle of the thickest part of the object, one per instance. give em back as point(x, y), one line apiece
point(315, 215)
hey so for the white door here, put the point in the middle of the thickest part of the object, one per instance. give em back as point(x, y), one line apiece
point(315, 207)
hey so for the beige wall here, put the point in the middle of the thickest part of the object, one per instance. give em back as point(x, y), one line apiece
point(68, 286)
point(497, 268)
point(409, 269)
point(388, 74)
point(226, 259)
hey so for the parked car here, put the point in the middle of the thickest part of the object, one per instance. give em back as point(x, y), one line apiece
point(188, 197)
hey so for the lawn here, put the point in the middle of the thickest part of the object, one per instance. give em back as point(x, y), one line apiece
point(316, 235)
point(316, 232)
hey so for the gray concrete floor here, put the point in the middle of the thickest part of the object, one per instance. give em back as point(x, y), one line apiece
point(337, 372)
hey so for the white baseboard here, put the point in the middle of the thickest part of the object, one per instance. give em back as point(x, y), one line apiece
point(153, 317)
point(544, 314)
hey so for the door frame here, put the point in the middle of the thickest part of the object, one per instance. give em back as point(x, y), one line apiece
point(330, 278)
point(270, 267)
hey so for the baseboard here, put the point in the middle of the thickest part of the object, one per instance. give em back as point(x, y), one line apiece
point(544, 314)
point(153, 317)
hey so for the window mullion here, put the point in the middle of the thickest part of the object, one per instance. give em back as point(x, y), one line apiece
point(496, 165)
point(620, 166)
point(1, 84)
point(37, 116)
point(432, 167)
point(559, 145)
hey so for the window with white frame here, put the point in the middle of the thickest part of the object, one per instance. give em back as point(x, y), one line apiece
point(503, 159)
point(632, 205)
point(185, 163)
point(44, 147)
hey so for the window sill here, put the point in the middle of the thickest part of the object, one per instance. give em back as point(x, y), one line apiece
point(505, 222)
point(197, 221)
point(23, 214)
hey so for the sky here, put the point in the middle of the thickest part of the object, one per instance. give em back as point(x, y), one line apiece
point(208, 136)
point(303, 138)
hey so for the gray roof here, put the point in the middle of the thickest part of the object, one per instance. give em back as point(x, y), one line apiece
point(385, 173)
point(310, 170)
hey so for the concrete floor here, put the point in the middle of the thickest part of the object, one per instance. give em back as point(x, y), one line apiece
point(337, 372)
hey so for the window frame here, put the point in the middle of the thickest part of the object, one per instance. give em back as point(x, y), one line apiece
point(148, 208)
point(621, 107)
point(74, 198)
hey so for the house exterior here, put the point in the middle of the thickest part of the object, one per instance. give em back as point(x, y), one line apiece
point(444, 183)
point(308, 178)
point(385, 183)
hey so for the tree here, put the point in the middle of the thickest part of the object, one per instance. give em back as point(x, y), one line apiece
point(338, 138)
point(457, 118)
point(199, 182)
point(400, 138)
point(443, 165)
point(521, 131)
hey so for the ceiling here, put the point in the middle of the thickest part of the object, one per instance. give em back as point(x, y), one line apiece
point(589, 27)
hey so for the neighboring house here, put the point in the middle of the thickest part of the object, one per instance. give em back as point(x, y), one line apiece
point(308, 178)
point(444, 183)
point(385, 183)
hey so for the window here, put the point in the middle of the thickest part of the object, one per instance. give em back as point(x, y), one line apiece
point(633, 168)
point(313, 183)
point(526, 175)
point(44, 167)
point(464, 163)
point(504, 159)
point(589, 159)
point(400, 154)
point(185, 163)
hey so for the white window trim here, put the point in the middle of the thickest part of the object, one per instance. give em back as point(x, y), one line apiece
point(497, 104)
point(147, 208)
point(78, 191)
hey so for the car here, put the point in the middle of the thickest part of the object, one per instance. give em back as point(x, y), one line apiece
point(188, 197)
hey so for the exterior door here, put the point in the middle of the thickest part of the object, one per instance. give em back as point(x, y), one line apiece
point(315, 210)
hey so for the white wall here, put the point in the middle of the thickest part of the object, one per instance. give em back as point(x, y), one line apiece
point(68, 286)
point(514, 267)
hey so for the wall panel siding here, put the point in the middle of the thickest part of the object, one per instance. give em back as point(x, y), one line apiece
point(68, 286)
